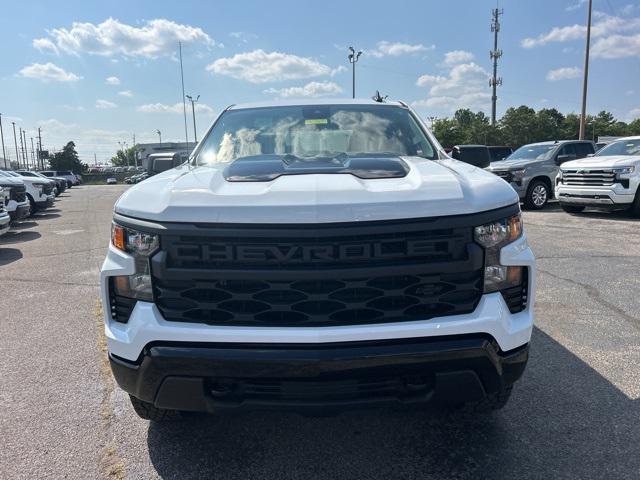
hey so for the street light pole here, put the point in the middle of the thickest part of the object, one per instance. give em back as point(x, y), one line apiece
point(4, 154)
point(583, 117)
point(15, 141)
point(159, 135)
point(193, 112)
point(353, 59)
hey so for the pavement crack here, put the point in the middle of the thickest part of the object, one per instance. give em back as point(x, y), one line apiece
point(50, 282)
point(595, 294)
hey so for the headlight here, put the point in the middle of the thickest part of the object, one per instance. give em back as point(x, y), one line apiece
point(518, 174)
point(624, 170)
point(493, 236)
point(39, 186)
point(141, 245)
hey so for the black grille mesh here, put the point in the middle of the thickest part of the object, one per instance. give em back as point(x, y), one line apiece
point(420, 271)
point(19, 193)
point(319, 302)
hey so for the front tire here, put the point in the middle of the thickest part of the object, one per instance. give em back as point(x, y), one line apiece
point(635, 206)
point(537, 195)
point(32, 205)
point(148, 411)
point(572, 208)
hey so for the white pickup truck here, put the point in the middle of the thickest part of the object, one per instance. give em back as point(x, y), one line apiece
point(317, 256)
point(5, 219)
point(609, 180)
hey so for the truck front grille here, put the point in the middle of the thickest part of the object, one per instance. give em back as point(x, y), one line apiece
point(47, 189)
point(18, 193)
point(319, 275)
point(596, 178)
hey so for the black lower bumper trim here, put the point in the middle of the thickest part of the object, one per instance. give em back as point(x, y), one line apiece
point(307, 377)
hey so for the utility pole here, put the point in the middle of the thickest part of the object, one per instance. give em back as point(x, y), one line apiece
point(15, 142)
point(33, 155)
point(193, 111)
point(95, 159)
point(184, 103)
point(40, 149)
point(583, 117)
point(353, 59)
point(4, 154)
point(22, 148)
point(26, 149)
point(159, 135)
point(495, 54)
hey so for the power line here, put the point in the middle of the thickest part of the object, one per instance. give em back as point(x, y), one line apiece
point(495, 54)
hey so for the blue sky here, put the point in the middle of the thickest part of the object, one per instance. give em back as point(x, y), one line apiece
point(98, 73)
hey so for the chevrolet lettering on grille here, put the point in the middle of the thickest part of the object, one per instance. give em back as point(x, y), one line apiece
point(281, 254)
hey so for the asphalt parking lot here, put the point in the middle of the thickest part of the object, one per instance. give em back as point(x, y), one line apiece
point(575, 413)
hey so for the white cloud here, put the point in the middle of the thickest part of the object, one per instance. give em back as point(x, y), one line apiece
point(617, 46)
point(312, 89)
point(46, 72)
point(259, 66)
point(74, 108)
point(457, 56)
point(105, 104)
point(44, 45)
point(576, 6)
point(154, 38)
point(244, 37)
point(633, 114)
point(425, 80)
point(396, 49)
point(175, 108)
point(112, 81)
point(608, 32)
point(126, 93)
point(466, 86)
point(337, 70)
point(564, 73)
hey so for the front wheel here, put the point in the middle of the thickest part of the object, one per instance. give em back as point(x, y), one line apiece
point(572, 208)
point(635, 206)
point(148, 411)
point(537, 195)
point(493, 401)
point(32, 205)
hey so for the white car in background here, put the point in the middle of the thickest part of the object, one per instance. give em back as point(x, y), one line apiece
point(39, 191)
point(609, 180)
point(5, 218)
point(16, 202)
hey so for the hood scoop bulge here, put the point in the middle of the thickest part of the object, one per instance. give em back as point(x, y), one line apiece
point(264, 168)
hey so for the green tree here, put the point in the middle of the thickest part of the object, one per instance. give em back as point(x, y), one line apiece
point(123, 158)
point(518, 126)
point(67, 159)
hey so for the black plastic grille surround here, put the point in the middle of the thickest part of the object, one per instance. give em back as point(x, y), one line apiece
point(516, 298)
point(317, 274)
point(119, 306)
point(18, 193)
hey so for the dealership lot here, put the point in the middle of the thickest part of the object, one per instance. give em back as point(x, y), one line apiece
point(573, 415)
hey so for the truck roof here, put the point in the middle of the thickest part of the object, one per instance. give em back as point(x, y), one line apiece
point(305, 102)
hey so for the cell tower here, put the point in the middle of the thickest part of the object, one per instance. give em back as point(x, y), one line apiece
point(495, 54)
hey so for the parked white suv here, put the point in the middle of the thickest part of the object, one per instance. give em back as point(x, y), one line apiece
point(71, 178)
point(5, 219)
point(610, 179)
point(314, 257)
point(39, 191)
point(16, 201)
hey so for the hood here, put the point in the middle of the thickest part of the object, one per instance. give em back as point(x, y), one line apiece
point(607, 161)
point(202, 194)
point(514, 164)
point(10, 180)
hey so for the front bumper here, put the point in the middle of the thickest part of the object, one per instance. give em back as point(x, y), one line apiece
point(603, 197)
point(46, 203)
point(213, 377)
point(18, 211)
point(5, 220)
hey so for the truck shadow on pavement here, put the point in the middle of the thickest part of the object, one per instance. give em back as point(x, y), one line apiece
point(20, 236)
point(9, 255)
point(587, 213)
point(564, 420)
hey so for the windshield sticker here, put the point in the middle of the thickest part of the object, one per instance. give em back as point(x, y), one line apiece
point(316, 121)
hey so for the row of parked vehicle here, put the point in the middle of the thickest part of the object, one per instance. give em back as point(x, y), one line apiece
point(578, 173)
point(24, 192)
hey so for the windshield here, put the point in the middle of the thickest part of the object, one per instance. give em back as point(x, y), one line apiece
point(314, 131)
point(622, 147)
point(532, 152)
